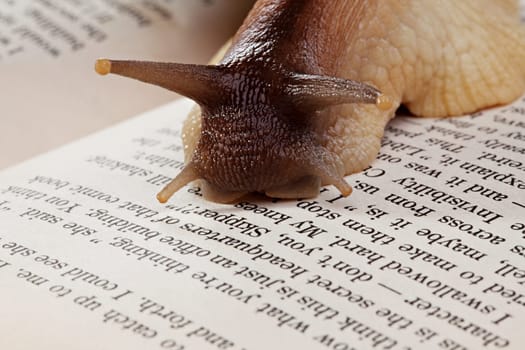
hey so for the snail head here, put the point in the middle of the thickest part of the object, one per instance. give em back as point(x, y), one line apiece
point(257, 131)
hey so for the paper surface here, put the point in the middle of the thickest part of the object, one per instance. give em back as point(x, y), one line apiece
point(427, 253)
point(49, 92)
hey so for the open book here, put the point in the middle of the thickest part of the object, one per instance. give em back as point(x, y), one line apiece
point(427, 253)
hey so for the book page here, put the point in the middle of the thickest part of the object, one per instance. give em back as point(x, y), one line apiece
point(48, 49)
point(49, 29)
point(427, 253)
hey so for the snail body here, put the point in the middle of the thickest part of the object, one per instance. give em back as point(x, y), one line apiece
point(302, 95)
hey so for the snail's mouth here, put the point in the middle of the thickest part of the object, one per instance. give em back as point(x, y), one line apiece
point(303, 187)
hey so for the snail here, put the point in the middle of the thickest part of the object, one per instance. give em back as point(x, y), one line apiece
point(303, 93)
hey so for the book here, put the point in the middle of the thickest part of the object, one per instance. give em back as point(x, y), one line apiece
point(427, 253)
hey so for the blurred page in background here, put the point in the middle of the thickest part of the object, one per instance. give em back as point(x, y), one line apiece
point(49, 93)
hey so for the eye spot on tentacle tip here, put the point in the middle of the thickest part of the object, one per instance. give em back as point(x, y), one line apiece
point(384, 102)
point(103, 66)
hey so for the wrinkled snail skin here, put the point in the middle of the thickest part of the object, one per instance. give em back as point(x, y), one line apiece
point(302, 95)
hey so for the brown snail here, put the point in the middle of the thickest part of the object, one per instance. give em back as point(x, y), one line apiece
point(303, 93)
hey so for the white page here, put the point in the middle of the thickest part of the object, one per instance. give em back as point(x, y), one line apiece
point(49, 92)
point(390, 267)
